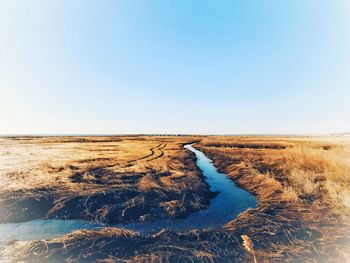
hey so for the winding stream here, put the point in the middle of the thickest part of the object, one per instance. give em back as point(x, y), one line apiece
point(230, 201)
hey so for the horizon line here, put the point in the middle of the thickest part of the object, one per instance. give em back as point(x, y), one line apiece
point(167, 134)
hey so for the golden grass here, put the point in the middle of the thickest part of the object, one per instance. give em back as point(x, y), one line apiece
point(298, 168)
point(98, 171)
point(303, 188)
point(320, 170)
point(50, 162)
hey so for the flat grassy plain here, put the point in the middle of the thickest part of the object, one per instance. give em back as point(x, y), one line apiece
point(104, 179)
point(302, 185)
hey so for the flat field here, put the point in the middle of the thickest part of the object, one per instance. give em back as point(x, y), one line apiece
point(105, 179)
point(301, 184)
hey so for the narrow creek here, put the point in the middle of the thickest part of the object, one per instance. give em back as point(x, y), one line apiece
point(230, 201)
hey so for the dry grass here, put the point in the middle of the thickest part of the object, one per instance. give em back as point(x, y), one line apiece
point(303, 213)
point(321, 171)
point(50, 162)
point(317, 169)
point(303, 187)
point(110, 179)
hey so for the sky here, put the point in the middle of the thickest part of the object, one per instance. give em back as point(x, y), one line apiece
point(184, 66)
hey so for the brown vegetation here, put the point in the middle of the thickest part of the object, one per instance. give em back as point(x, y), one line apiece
point(303, 214)
point(303, 191)
point(106, 179)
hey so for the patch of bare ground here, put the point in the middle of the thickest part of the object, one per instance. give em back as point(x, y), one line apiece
point(302, 185)
point(105, 179)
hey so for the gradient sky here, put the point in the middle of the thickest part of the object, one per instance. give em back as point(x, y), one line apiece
point(184, 66)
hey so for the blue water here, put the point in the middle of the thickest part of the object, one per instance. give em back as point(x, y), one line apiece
point(230, 201)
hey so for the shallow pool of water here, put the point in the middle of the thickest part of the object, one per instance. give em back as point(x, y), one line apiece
point(230, 201)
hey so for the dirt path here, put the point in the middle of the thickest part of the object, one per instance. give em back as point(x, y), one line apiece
point(156, 152)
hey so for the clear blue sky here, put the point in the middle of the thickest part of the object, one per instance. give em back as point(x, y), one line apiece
point(184, 66)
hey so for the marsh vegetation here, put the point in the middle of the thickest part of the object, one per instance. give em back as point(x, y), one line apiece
point(301, 183)
point(109, 180)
